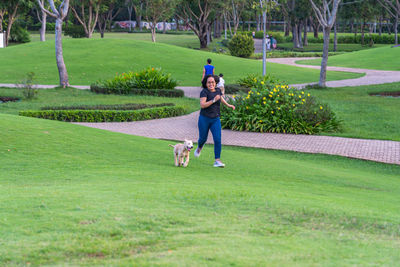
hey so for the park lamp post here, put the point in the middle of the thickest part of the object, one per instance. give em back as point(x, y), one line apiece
point(264, 42)
point(3, 39)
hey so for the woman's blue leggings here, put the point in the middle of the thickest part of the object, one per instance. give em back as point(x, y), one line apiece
point(214, 124)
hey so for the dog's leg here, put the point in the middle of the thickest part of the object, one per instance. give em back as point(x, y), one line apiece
point(176, 159)
point(187, 160)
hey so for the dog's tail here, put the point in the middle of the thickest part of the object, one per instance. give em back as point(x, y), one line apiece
point(171, 145)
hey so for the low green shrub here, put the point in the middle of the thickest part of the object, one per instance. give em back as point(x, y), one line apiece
point(27, 86)
point(105, 115)
point(150, 81)
point(271, 107)
point(19, 35)
point(241, 46)
point(75, 31)
point(128, 106)
point(283, 54)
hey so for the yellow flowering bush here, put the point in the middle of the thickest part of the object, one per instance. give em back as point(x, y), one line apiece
point(274, 107)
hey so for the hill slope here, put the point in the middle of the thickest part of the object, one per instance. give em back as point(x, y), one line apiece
point(88, 60)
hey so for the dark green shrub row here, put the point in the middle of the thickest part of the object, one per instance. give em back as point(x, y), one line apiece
point(50, 26)
point(279, 54)
point(129, 106)
point(8, 99)
point(135, 91)
point(274, 107)
point(75, 31)
point(259, 35)
point(105, 115)
point(351, 39)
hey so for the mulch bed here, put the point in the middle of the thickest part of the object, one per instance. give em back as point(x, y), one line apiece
point(393, 94)
point(8, 99)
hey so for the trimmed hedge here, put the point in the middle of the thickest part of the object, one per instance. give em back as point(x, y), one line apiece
point(135, 91)
point(279, 54)
point(129, 106)
point(105, 115)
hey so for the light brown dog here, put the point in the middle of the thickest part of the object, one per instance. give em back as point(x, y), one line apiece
point(182, 152)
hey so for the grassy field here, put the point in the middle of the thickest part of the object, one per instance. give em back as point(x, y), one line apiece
point(71, 195)
point(88, 60)
point(182, 40)
point(364, 116)
point(383, 58)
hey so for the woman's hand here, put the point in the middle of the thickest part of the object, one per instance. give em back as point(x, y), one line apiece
point(232, 107)
point(216, 98)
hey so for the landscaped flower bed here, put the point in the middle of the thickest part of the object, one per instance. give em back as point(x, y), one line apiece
point(274, 107)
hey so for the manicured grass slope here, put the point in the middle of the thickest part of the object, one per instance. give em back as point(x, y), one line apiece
point(88, 60)
point(383, 58)
point(76, 195)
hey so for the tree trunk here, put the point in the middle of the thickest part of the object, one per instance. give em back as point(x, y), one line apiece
point(287, 28)
point(380, 26)
point(11, 18)
point(305, 37)
point(295, 33)
point(153, 33)
point(299, 32)
point(335, 38)
point(164, 27)
point(130, 9)
point(62, 70)
point(258, 23)
point(396, 24)
point(362, 32)
point(324, 63)
point(43, 28)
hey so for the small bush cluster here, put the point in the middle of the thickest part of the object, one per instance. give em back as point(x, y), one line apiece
point(151, 81)
point(27, 86)
point(128, 106)
point(105, 115)
point(272, 107)
point(259, 35)
point(353, 39)
point(241, 46)
point(19, 34)
point(75, 31)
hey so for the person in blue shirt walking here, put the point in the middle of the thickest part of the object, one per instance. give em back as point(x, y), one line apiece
point(208, 69)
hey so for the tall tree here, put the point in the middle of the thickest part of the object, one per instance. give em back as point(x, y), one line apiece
point(157, 11)
point(198, 16)
point(109, 9)
point(393, 8)
point(42, 17)
point(87, 14)
point(59, 14)
point(10, 9)
point(326, 15)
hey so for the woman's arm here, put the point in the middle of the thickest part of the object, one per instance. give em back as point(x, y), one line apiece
point(204, 73)
point(205, 104)
point(227, 104)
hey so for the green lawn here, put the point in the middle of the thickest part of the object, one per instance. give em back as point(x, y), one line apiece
point(364, 116)
point(71, 195)
point(88, 60)
point(383, 58)
point(183, 40)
